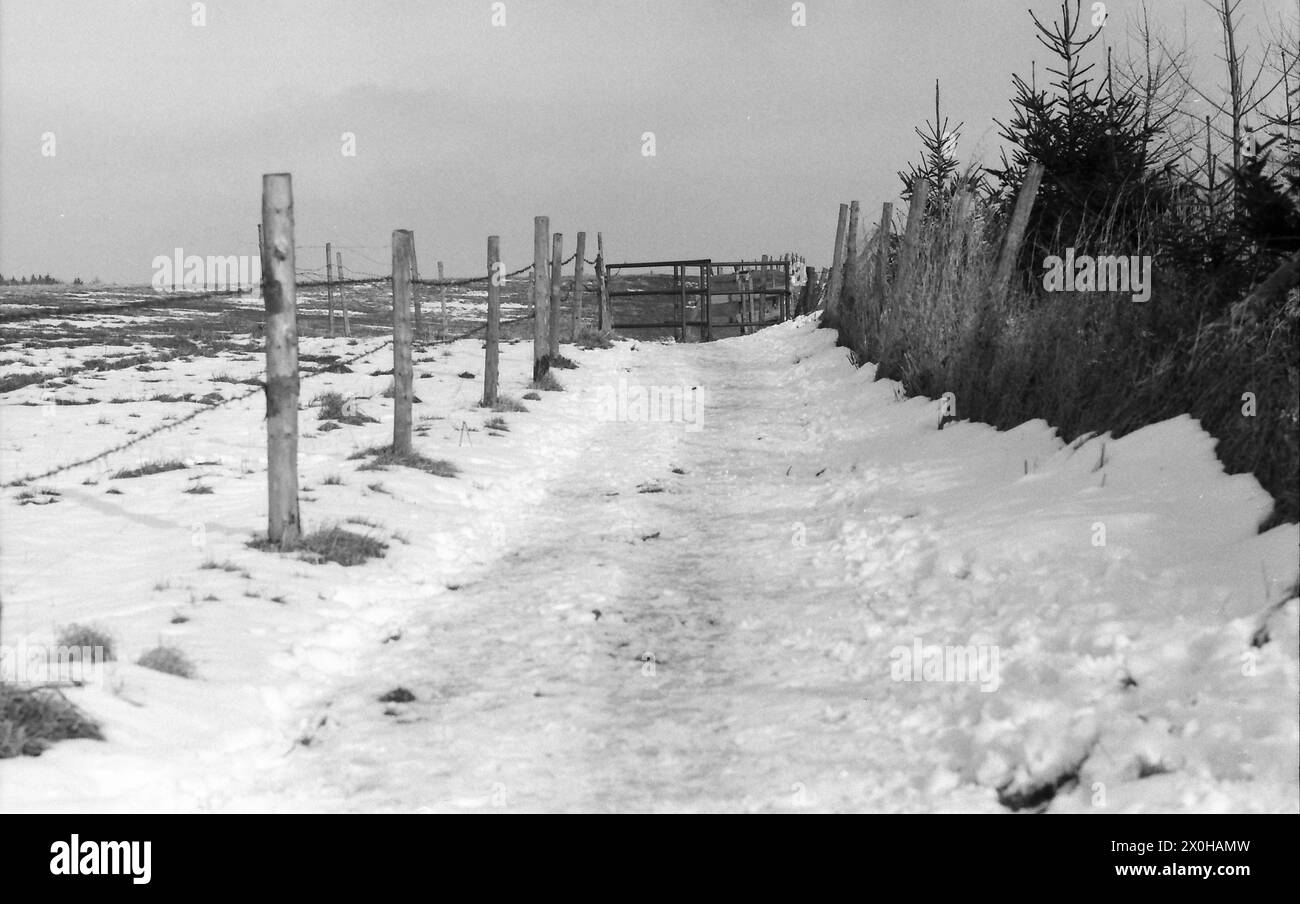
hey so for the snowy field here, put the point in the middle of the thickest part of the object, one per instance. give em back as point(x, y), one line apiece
point(762, 603)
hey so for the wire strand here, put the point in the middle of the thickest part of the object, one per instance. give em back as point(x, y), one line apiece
point(260, 387)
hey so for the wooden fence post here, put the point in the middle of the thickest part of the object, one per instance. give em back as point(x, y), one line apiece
point(1016, 229)
point(855, 241)
point(402, 242)
point(415, 291)
point(490, 362)
point(911, 239)
point(557, 274)
point(882, 255)
point(786, 298)
point(961, 206)
point(280, 302)
point(577, 285)
point(851, 287)
point(753, 297)
point(603, 320)
point(959, 225)
point(831, 309)
point(343, 298)
point(442, 304)
point(541, 298)
point(329, 285)
point(808, 297)
point(874, 279)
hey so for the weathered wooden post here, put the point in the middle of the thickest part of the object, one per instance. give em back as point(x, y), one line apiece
point(577, 284)
point(557, 275)
point(490, 362)
point(605, 320)
point(742, 313)
point(809, 295)
point(541, 298)
point(850, 285)
point(959, 226)
point(911, 239)
point(1016, 229)
point(875, 283)
point(789, 292)
point(961, 205)
point(402, 242)
point(343, 298)
point(755, 297)
point(442, 304)
point(882, 254)
point(329, 285)
point(831, 309)
point(751, 307)
point(280, 302)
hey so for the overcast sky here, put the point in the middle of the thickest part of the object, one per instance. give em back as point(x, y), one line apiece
point(163, 129)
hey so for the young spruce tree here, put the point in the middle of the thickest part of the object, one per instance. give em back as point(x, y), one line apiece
point(1094, 147)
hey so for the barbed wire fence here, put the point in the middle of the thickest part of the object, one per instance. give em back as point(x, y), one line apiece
point(303, 278)
point(260, 387)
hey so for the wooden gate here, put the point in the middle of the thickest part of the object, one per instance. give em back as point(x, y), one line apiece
point(699, 298)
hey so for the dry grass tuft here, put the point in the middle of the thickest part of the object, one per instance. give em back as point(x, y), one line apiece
point(330, 544)
point(382, 457)
point(31, 719)
point(86, 637)
point(547, 383)
point(169, 660)
point(150, 467)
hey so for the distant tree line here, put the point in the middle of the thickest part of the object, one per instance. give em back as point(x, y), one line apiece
point(33, 280)
point(45, 280)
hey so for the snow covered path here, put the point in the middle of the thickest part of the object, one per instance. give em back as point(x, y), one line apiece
point(725, 644)
point(646, 614)
point(639, 648)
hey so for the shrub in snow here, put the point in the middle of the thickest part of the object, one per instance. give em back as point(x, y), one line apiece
point(31, 719)
point(82, 636)
point(169, 660)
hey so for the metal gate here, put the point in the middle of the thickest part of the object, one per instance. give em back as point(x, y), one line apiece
point(699, 295)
